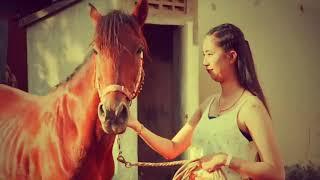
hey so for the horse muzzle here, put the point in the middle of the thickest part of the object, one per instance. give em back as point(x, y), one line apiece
point(113, 119)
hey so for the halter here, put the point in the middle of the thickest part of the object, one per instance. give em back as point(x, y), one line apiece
point(115, 87)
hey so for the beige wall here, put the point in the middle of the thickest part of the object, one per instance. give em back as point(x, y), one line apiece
point(57, 45)
point(285, 46)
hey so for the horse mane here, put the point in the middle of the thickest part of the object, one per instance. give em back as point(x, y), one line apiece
point(87, 58)
point(108, 32)
point(107, 35)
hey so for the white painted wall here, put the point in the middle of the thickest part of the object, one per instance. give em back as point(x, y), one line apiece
point(190, 74)
point(285, 46)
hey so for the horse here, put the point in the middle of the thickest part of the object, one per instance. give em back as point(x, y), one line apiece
point(69, 132)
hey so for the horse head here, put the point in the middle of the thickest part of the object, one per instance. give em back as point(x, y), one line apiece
point(119, 51)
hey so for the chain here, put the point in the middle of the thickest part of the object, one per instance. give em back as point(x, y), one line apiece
point(183, 173)
point(128, 164)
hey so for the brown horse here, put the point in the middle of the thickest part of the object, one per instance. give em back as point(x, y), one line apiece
point(69, 133)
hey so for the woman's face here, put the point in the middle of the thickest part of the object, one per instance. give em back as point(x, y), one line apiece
point(215, 59)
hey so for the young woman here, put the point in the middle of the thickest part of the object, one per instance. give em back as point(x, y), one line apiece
point(231, 131)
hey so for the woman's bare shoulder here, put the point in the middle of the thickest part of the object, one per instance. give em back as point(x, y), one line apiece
point(193, 121)
point(207, 101)
point(253, 102)
point(253, 107)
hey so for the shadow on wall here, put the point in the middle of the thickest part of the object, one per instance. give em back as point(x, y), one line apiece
point(9, 78)
point(57, 46)
point(308, 171)
point(255, 3)
point(3, 47)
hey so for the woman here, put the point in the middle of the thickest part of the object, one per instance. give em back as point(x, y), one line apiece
point(231, 131)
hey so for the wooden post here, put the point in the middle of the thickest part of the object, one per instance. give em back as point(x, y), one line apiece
point(3, 47)
point(17, 53)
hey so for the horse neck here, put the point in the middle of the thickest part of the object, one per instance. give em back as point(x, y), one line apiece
point(81, 93)
point(77, 111)
point(77, 121)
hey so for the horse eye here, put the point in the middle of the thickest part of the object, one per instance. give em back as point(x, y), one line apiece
point(140, 53)
point(140, 50)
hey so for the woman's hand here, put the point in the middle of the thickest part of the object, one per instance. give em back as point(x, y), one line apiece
point(213, 162)
point(133, 123)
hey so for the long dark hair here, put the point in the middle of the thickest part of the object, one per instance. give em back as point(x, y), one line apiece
point(230, 37)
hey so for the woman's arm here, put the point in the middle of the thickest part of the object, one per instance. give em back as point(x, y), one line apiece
point(169, 149)
point(258, 122)
point(259, 125)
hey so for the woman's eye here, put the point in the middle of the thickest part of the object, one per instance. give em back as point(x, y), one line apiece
point(208, 54)
point(95, 51)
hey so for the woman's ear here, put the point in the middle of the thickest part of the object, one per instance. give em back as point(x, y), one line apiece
point(232, 55)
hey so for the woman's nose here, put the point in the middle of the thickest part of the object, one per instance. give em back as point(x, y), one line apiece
point(205, 62)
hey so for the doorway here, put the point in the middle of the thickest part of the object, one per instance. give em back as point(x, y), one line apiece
point(159, 104)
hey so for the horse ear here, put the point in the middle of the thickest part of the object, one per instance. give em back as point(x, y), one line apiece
point(141, 11)
point(94, 14)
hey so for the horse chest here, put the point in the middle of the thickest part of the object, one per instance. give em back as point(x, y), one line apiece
point(98, 163)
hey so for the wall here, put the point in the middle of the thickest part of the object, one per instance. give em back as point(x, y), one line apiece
point(285, 45)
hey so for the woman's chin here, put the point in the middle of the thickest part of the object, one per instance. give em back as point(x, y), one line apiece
point(215, 78)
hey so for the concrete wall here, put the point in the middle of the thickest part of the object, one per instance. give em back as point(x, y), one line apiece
point(189, 75)
point(57, 45)
point(285, 45)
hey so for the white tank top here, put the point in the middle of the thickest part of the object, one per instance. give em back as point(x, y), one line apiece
point(222, 134)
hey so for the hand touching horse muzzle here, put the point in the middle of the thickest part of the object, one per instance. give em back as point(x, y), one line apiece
point(113, 110)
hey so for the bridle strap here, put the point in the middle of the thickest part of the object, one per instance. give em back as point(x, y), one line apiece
point(118, 88)
point(114, 88)
point(139, 81)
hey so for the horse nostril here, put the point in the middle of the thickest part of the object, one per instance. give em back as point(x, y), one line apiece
point(122, 113)
point(101, 112)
